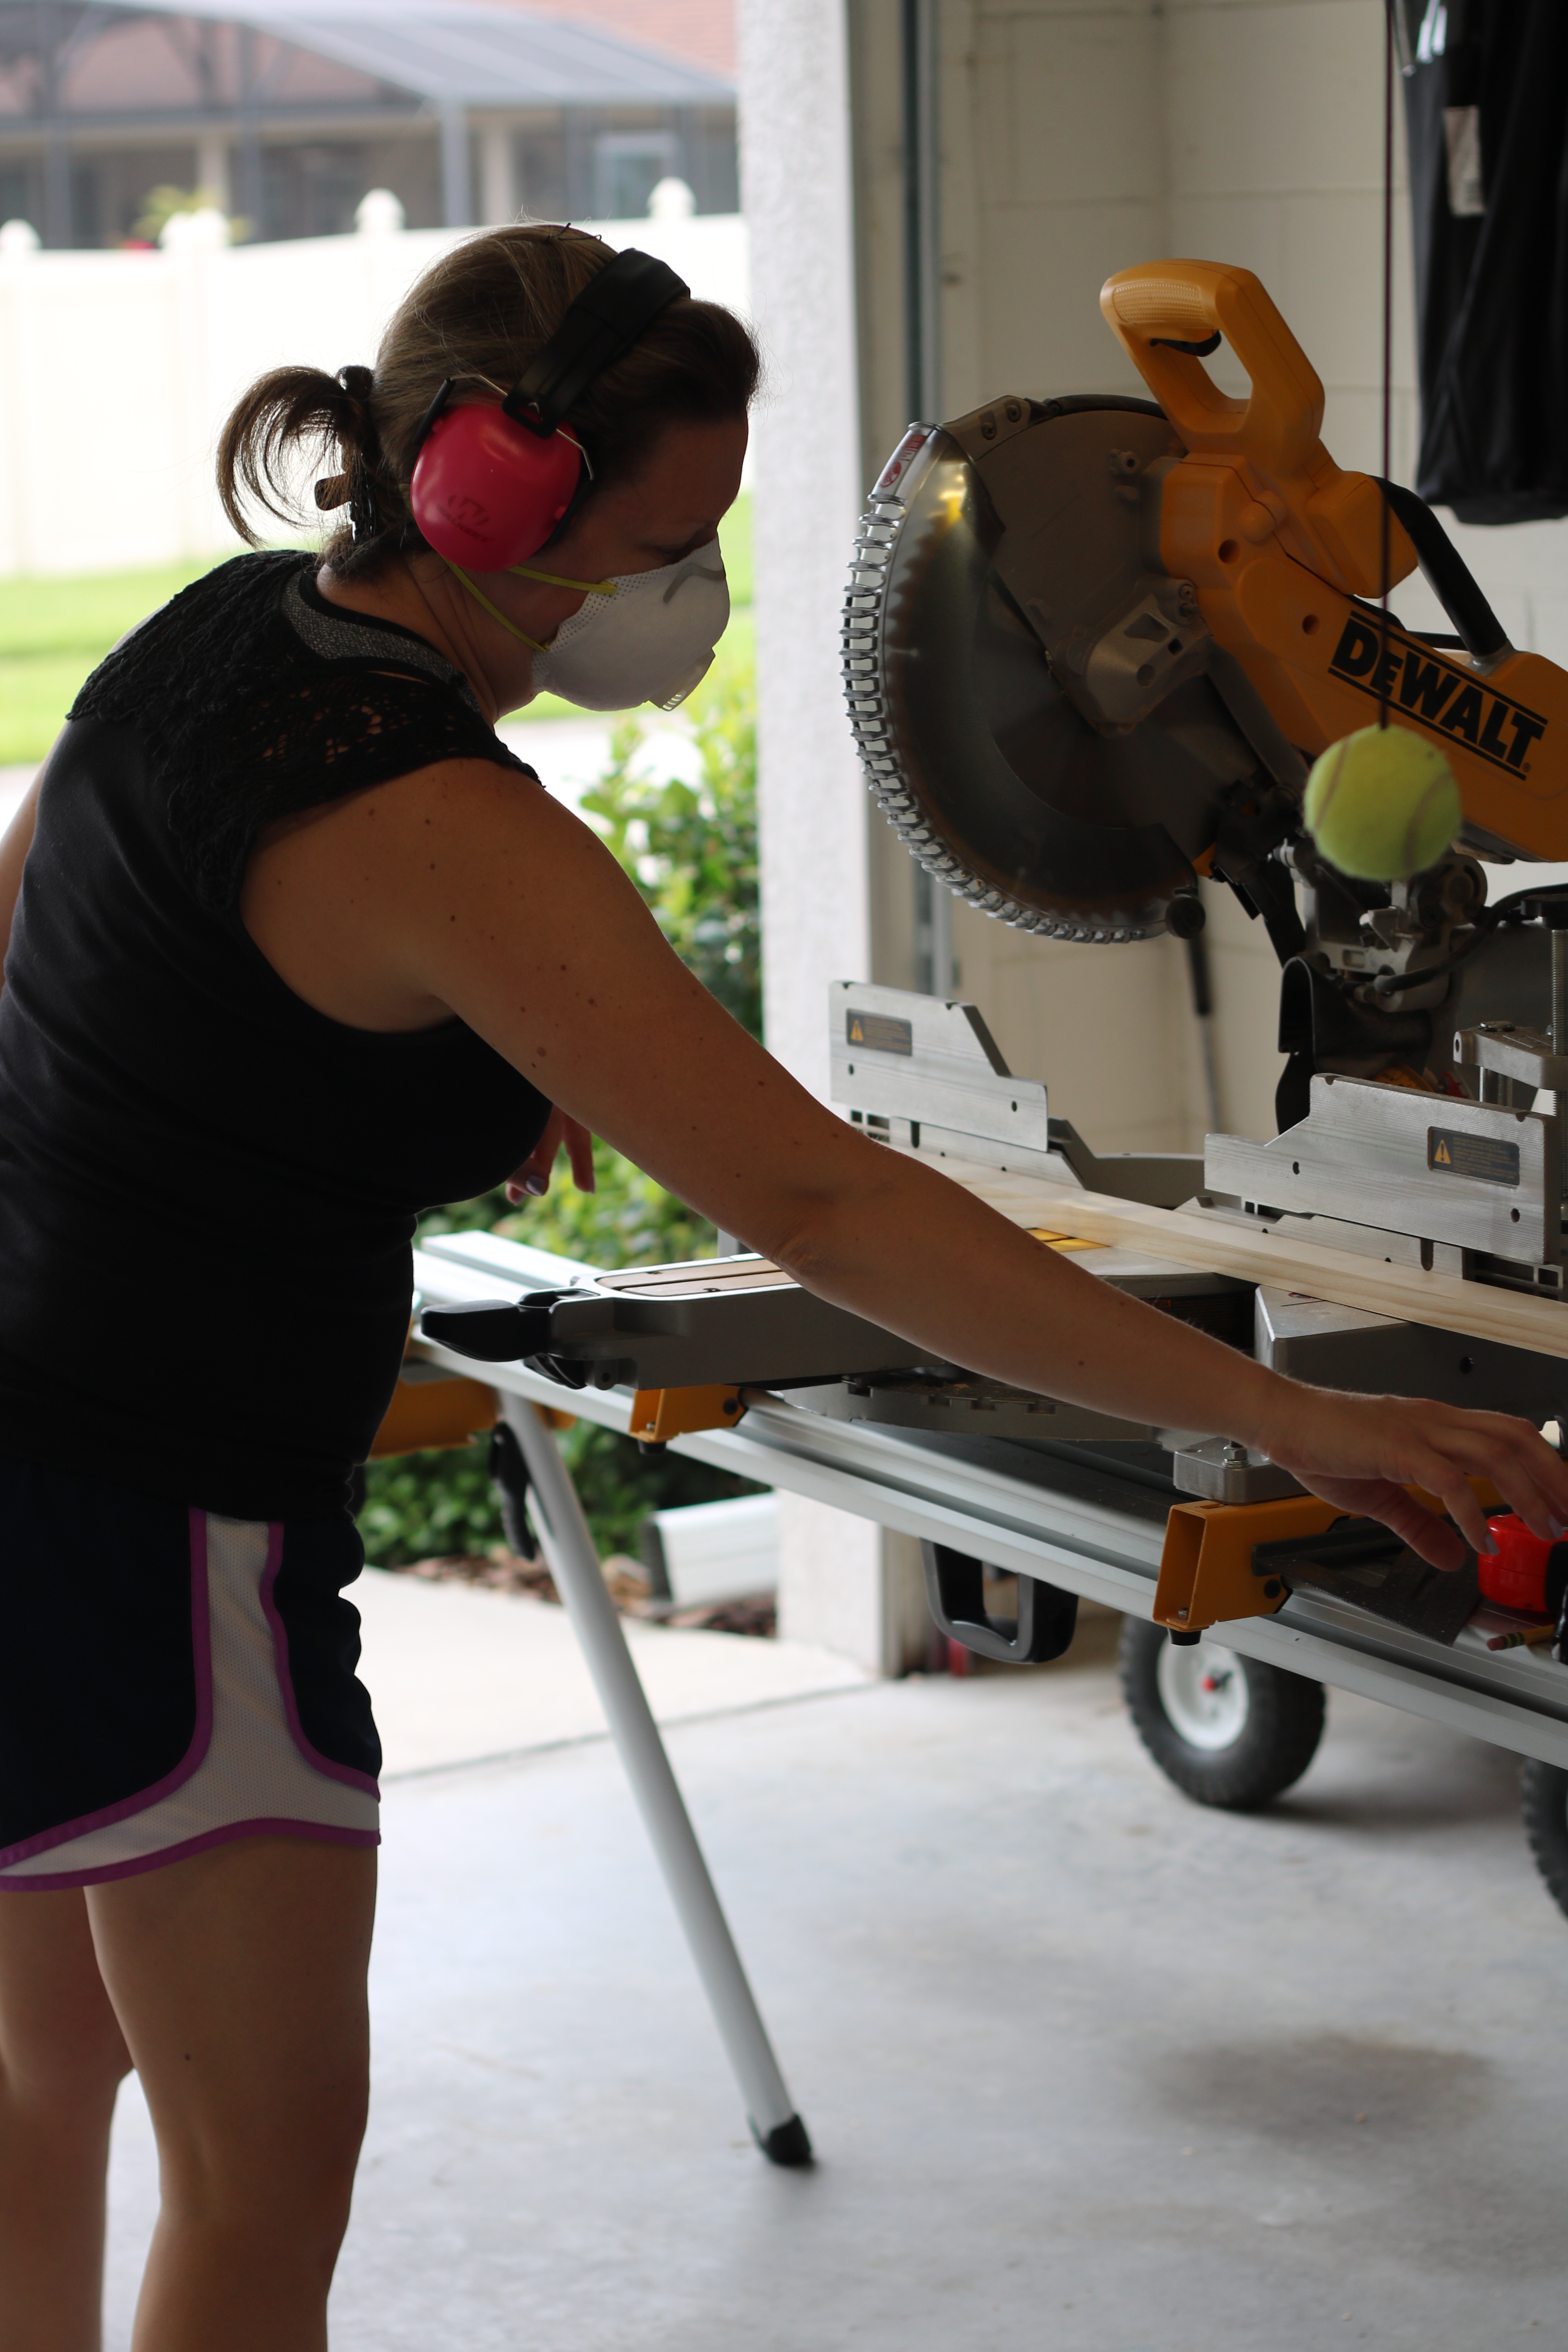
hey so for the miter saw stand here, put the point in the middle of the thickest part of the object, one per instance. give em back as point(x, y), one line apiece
point(699, 1346)
point(729, 1360)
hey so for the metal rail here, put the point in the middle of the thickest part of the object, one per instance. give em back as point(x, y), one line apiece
point(1033, 1515)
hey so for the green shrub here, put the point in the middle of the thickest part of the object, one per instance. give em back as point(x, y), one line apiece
point(691, 849)
point(422, 1505)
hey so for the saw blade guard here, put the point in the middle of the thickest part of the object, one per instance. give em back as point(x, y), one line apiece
point(978, 582)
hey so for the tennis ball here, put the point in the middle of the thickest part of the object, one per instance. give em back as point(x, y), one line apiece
point(1383, 804)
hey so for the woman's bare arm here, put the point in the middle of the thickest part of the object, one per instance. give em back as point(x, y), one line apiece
point(15, 844)
point(461, 888)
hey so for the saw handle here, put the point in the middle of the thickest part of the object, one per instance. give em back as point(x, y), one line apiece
point(1330, 520)
point(1162, 303)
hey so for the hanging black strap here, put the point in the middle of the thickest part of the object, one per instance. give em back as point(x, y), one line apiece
point(606, 319)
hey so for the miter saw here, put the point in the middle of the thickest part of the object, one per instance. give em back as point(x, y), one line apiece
point(1092, 646)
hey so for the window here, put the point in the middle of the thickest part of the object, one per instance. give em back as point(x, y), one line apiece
point(627, 167)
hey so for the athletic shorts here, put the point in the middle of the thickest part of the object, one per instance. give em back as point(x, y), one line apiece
point(170, 1679)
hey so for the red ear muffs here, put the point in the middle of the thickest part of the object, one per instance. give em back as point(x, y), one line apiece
point(486, 491)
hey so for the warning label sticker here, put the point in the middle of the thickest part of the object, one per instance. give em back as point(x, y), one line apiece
point(1450, 1152)
point(879, 1033)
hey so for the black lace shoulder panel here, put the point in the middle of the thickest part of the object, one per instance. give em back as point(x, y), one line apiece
point(249, 718)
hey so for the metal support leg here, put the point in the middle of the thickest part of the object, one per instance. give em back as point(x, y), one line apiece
point(574, 1564)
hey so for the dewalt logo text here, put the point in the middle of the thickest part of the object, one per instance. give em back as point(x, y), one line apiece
point(1446, 700)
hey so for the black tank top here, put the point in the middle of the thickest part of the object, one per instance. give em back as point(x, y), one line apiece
point(208, 1190)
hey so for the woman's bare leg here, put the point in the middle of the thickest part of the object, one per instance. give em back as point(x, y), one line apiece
point(238, 1977)
point(62, 2059)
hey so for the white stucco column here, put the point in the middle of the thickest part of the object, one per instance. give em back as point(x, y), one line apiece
point(842, 1581)
point(795, 192)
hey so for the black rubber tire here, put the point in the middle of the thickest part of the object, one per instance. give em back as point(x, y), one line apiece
point(1274, 1747)
point(1546, 1788)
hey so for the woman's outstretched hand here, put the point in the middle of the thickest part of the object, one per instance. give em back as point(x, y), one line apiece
point(532, 1181)
point(1362, 1452)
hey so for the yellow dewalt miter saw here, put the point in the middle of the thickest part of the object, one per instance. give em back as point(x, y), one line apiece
point(1092, 646)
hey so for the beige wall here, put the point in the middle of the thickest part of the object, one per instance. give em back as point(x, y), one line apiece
point(1079, 136)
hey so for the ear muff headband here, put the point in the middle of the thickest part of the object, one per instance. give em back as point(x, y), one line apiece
point(606, 319)
point(490, 485)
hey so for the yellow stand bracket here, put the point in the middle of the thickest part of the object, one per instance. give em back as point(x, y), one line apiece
point(425, 1414)
point(1205, 1569)
point(659, 1414)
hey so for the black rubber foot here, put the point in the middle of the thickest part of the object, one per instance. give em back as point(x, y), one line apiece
point(787, 2142)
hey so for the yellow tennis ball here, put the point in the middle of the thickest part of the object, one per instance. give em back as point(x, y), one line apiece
point(1383, 804)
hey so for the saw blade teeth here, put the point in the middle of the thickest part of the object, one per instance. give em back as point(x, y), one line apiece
point(867, 702)
point(866, 697)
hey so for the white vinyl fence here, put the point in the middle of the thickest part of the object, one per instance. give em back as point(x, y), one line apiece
point(118, 369)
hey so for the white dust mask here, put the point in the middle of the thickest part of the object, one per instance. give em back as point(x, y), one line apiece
point(646, 637)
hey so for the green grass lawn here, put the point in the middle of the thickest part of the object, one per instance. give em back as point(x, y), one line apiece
point(53, 632)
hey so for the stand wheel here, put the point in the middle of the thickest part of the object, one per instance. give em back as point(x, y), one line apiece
point(1228, 1730)
point(1545, 1789)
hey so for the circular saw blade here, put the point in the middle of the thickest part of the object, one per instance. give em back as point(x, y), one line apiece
point(981, 760)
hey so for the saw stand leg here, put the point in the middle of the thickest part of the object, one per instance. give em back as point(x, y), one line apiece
point(574, 1564)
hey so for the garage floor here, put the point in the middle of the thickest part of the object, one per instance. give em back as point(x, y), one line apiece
point(1088, 2068)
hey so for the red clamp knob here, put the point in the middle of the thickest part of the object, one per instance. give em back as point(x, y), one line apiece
point(1526, 1572)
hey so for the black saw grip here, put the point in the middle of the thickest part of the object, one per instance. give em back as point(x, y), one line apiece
point(492, 1330)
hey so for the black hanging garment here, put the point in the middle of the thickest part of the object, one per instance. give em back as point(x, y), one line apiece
point(1485, 92)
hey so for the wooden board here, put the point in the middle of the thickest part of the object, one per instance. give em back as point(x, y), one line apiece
point(1259, 1254)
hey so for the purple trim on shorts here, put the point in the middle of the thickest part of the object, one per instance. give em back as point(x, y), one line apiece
point(52, 1881)
point(138, 1802)
point(317, 1761)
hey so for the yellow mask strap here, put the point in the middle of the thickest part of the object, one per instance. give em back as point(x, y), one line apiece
point(478, 593)
point(551, 580)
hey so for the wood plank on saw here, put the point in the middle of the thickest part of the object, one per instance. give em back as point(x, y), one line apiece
point(1345, 1279)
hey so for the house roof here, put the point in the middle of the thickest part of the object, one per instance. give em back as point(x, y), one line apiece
point(463, 51)
point(468, 53)
point(700, 31)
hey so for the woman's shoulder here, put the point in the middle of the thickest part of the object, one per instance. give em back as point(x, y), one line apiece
point(194, 640)
point(246, 720)
point(326, 739)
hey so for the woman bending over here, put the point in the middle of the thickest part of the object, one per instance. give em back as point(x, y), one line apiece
point(296, 949)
